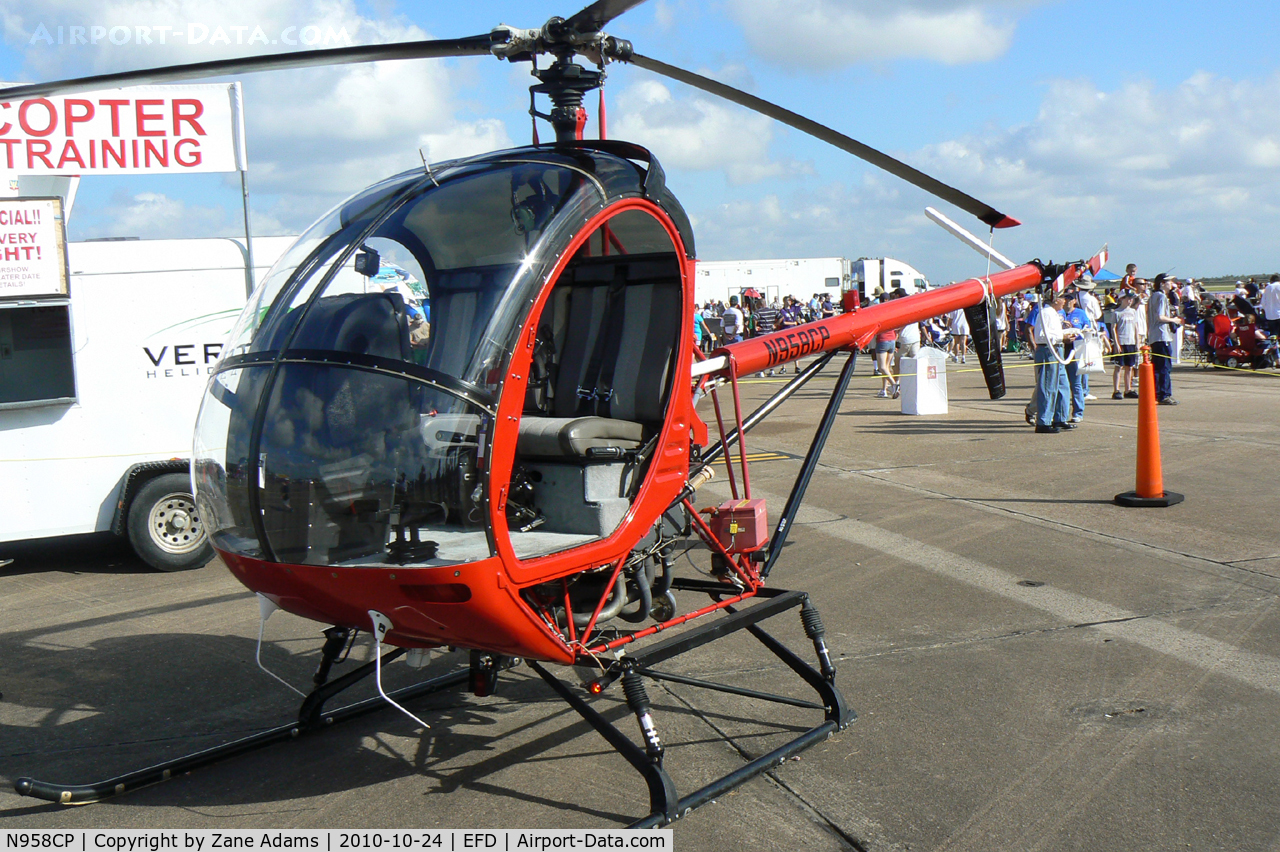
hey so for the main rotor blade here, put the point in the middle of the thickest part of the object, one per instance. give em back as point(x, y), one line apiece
point(593, 18)
point(471, 46)
point(985, 212)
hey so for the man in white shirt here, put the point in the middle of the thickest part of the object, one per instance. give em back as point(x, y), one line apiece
point(734, 322)
point(1270, 306)
point(1052, 390)
point(1162, 322)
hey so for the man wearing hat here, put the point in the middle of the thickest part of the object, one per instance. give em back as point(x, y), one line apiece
point(1053, 394)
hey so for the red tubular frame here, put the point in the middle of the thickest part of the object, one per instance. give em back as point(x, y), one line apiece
point(724, 438)
point(742, 433)
point(741, 567)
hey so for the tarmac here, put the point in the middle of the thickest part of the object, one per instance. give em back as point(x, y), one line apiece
point(1033, 667)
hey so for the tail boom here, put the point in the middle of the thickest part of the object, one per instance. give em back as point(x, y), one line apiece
point(858, 328)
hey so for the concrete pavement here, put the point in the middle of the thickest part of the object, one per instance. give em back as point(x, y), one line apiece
point(1034, 668)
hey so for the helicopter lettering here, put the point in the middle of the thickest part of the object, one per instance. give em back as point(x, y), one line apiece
point(795, 344)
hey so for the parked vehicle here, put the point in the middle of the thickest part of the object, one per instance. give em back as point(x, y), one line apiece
point(99, 392)
point(802, 277)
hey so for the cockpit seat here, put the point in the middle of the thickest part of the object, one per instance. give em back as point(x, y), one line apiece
point(577, 437)
point(612, 324)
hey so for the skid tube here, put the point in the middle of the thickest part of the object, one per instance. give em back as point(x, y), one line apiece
point(665, 804)
point(311, 718)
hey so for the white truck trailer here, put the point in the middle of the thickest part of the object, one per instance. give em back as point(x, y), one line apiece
point(868, 273)
point(799, 277)
point(802, 277)
point(99, 392)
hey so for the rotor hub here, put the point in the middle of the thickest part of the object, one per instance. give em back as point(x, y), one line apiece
point(564, 81)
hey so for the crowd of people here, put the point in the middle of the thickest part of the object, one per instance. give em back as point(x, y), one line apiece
point(716, 323)
point(1086, 329)
point(1128, 315)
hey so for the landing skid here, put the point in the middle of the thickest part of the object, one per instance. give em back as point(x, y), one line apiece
point(665, 804)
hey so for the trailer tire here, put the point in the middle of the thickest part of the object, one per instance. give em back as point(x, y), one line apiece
point(165, 527)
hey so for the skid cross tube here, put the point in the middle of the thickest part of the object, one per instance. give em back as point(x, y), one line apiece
point(310, 718)
point(732, 690)
point(665, 805)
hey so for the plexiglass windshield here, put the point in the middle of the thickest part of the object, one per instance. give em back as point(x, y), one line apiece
point(349, 424)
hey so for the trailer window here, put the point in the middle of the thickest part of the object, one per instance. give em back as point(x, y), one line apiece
point(833, 282)
point(36, 365)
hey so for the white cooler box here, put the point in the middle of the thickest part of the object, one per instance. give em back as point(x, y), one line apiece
point(924, 383)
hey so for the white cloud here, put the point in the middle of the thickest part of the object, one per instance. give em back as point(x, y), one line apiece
point(833, 33)
point(1186, 176)
point(314, 136)
point(155, 216)
point(700, 133)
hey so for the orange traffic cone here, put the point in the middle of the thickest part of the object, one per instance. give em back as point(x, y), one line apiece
point(1150, 485)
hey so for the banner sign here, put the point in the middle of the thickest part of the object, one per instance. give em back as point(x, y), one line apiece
point(140, 130)
point(33, 248)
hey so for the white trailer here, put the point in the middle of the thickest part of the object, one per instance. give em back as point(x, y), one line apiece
point(800, 277)
point(99, 391)
point(868, 273)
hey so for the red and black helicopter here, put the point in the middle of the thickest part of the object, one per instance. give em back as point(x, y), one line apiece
point(514, 475)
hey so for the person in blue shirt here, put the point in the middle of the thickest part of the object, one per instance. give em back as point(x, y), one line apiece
point(699, 329)
point(1075, 316)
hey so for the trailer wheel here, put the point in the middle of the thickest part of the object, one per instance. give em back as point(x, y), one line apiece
point(165, 527)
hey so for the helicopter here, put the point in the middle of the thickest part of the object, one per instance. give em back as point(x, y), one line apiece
point(513, 471)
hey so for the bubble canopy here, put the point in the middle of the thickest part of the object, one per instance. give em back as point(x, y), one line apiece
point(350, 420)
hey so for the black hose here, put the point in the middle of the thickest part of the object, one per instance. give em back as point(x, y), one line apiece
point(644, 586)
point(664, 581)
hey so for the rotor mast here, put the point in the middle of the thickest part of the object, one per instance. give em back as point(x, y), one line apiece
point(564, 81)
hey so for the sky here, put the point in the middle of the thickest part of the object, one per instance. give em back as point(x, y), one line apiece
point(1154, 128)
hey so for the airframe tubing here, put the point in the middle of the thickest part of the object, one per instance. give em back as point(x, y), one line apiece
point(857, 328)
point(665, 805)
point(768, 406)
point(779, 538)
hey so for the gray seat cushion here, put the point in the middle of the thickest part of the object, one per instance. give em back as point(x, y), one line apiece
point(559, 437)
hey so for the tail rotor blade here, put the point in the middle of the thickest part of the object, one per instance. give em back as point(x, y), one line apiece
point(985, 212)
point(1099, 260)
point(969, 239)
point(471, 46)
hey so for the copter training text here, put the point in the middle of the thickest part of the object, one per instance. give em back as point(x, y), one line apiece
point(169, 129)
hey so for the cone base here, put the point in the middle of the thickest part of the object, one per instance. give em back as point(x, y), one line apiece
point(1132, 499)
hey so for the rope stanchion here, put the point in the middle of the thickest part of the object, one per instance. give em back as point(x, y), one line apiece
point(1149, 491)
